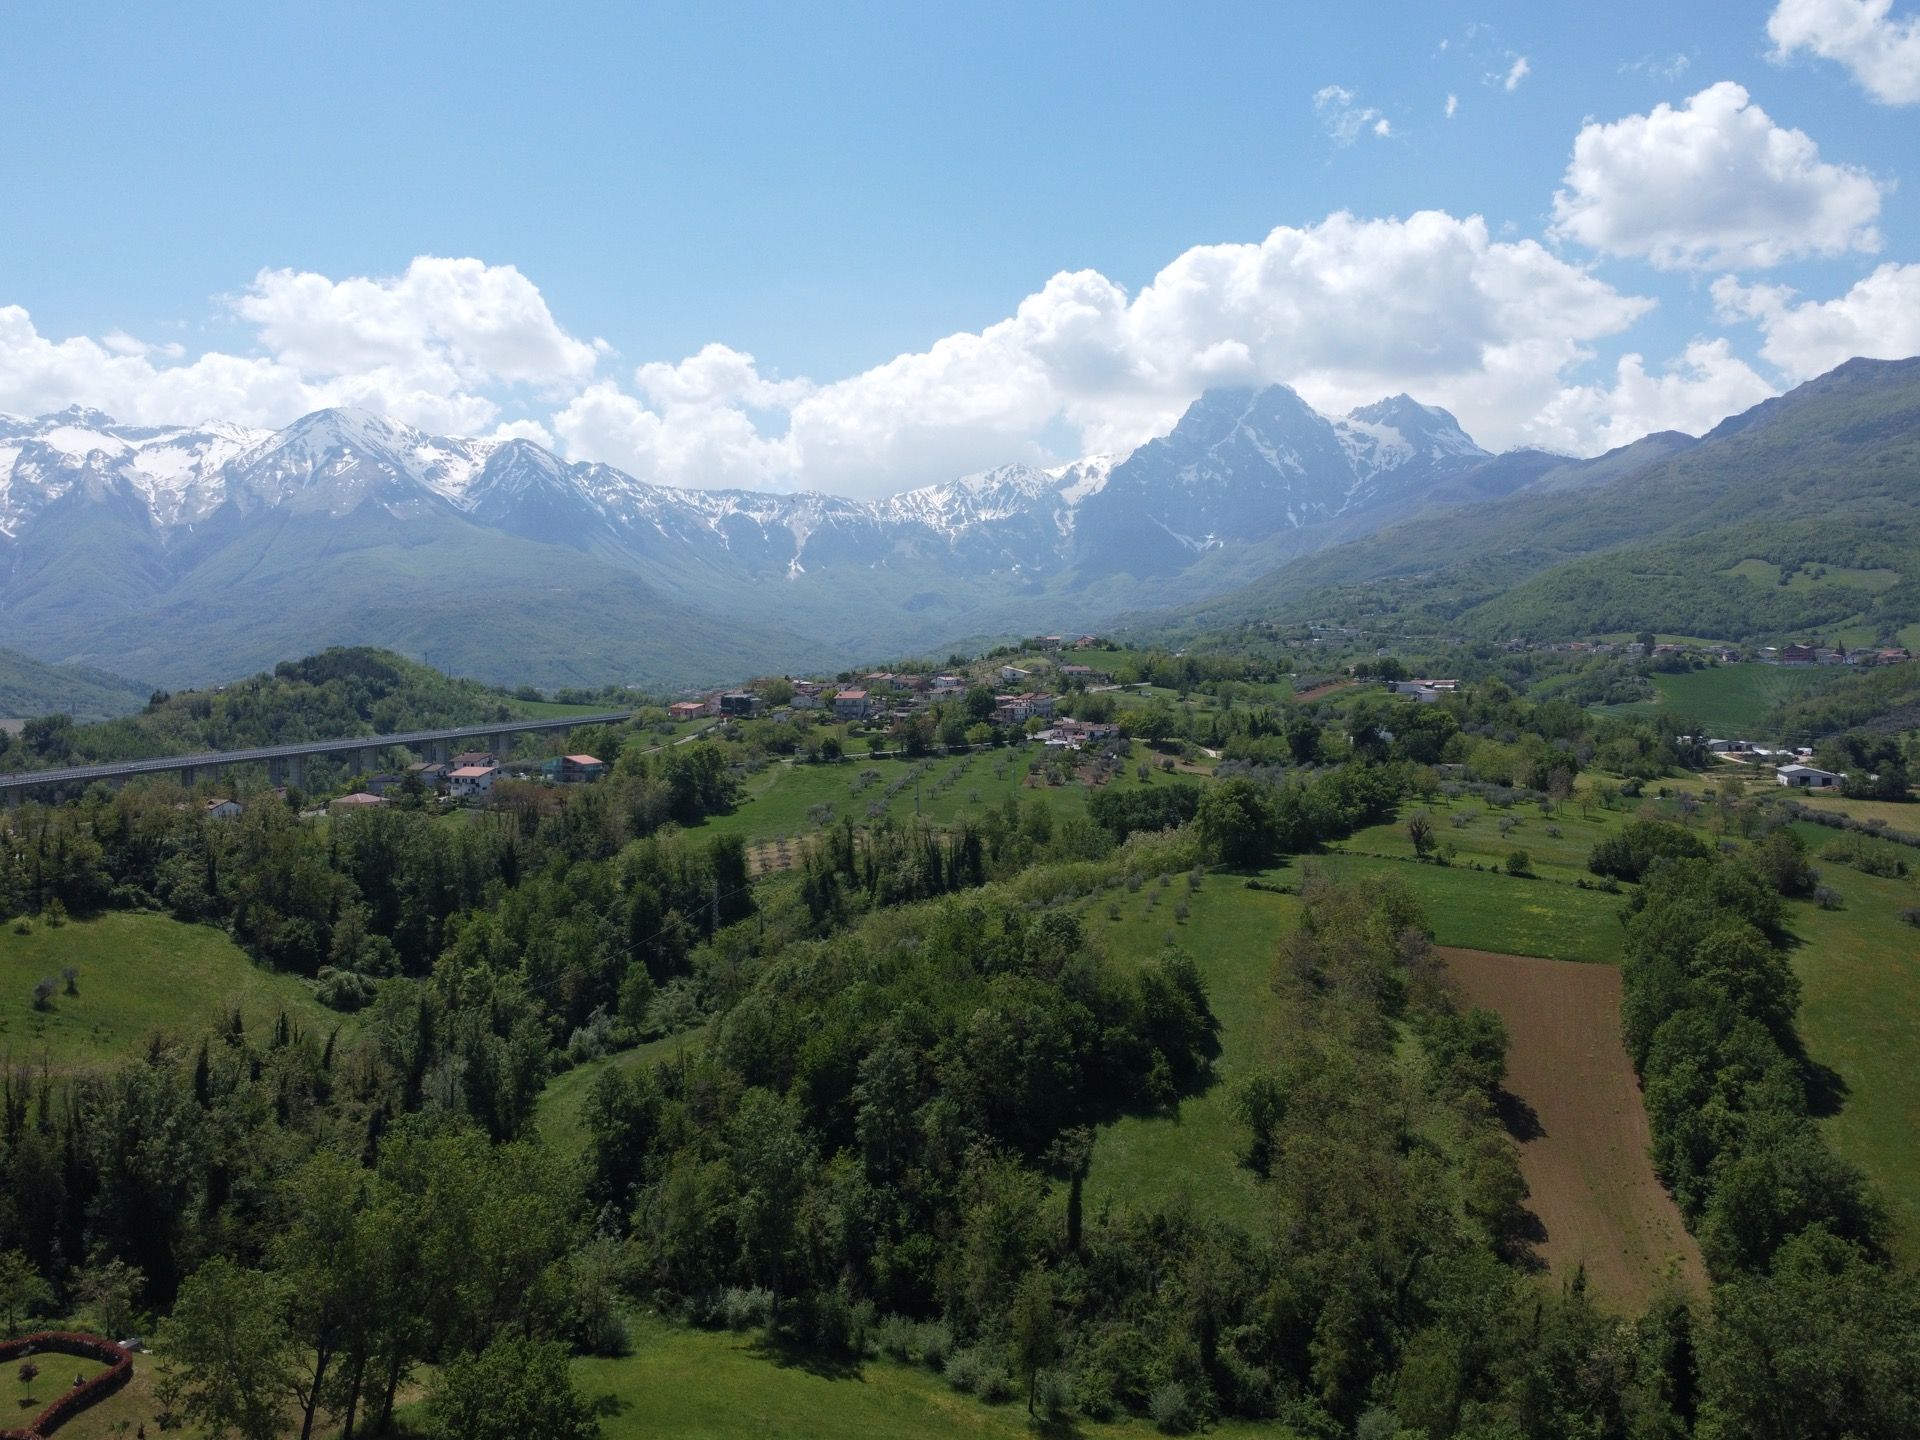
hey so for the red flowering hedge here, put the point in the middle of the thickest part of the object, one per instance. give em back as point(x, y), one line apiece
point(76, 1398)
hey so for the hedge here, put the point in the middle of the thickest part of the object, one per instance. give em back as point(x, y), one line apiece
point(119, 1370)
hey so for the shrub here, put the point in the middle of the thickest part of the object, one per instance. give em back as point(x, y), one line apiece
point(343, 989)
point(29, 1372)
point(43, 993)
point(966, 1370)
point(1170, 1409)
point(70, 979)
point(1912, 916)
point(934, 1340)
point(894, 1336)
point(744, 1309)
point(1826, 897)
point(1051, 1394)
point(996, 1385)
point(1093, 1392)
point(1519, 863)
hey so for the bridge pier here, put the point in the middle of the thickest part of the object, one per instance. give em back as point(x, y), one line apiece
point(369, 759)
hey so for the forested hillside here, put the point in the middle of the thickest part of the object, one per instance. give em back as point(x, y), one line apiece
point(592, 1058)
point(1821, 479)
point(337, 692)
point(30, 687)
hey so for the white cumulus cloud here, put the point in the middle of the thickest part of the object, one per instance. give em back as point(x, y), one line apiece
point(1713, 184)
point(1516, 72)
point(1344, 118)
point(1345, 310)
point(1878, 318)
point(434, 346)
point(1707, 383)
point(1882, 53)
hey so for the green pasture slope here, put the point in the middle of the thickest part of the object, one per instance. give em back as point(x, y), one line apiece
point(778, 800)
point(1859, 969)
point(706, 1385)
point(138, 974)
point(1730, 701)
point(1188, 1156)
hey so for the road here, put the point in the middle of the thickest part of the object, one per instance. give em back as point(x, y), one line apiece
point(412, 739)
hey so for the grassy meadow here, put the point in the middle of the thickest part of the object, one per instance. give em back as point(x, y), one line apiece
point(1859, 969)
point(138, 974)
point(1730, 701)
point(1188, 1155)
point(706, 1385)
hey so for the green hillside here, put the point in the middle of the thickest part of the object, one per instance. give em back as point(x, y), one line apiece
point(353, 691)
point(465, 599)
point(1736, 701)
point(1817, 484)
point(34, 687)
point(137, 975)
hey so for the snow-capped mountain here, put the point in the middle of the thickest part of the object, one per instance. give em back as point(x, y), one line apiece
point(1243, 465)
point(1239, 465)
point(140, 531)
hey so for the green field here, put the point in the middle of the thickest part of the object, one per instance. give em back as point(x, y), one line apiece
point(1730, 701)
point(1189, 1155)
point(1765, 572)
point(703, 1385)
point(138, 973)
point(778, 800)
point(557, 1113)
point(1859, 972)
point(55, 1379)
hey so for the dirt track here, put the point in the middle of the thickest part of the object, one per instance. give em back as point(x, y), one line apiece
point(1575, 1111)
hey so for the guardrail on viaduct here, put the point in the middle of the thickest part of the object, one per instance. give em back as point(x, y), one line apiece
point(284, 762)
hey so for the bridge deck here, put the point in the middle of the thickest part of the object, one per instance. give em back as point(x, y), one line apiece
point(123, 769)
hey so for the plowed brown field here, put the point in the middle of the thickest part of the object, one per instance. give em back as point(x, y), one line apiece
point(1573, 1106)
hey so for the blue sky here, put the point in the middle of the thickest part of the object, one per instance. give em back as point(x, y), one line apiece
point(218, 209)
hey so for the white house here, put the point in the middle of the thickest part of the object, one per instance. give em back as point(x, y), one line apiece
point(1807, 777)
point(470, 781)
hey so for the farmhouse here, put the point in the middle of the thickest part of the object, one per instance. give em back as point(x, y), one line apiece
point(1071, 734)
point(850, 705)
point(739, 702)
point(1807, 777)
point(221, 808)
point(466, 759)
point(471, 781)
point(687, 710)
point(573, 769)
point(359, 800)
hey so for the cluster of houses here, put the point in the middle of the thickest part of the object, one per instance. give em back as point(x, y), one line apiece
point(1829, 655)
point(886, 697)
point(1790, 766)
point(1425, 691)
point(1797, 654)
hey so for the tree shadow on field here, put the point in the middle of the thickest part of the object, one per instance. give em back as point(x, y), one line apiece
point(1529, 1231)
point(1827, 1088)
point(790, 1355)
point(1520, 1118)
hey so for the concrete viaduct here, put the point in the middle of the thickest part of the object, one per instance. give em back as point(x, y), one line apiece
point(284, 762)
